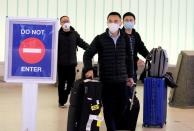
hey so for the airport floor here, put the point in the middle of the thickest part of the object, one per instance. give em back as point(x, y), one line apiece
point(52, 118)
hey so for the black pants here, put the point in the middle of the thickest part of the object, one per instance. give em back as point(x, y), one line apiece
point(114, 100)
point(66, 78)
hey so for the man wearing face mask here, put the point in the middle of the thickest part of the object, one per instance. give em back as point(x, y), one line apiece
point(115, 70)
point(138, 47)
point(68, 41)
point(134, 38)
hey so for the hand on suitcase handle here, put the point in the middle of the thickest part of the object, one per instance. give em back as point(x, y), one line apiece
point(130, 82)
point(89, 74)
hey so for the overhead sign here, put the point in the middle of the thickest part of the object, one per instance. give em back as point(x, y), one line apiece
point(31, 52)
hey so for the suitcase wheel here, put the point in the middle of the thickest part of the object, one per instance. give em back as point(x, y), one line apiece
point(144, 125)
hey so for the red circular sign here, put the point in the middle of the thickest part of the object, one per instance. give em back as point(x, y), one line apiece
point(32, 50)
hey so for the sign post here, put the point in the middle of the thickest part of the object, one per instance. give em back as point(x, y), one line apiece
point(29, 106)
point(31, 58)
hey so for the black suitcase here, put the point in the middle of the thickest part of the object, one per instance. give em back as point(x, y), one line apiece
point(85, 106)
point(76, 101)
point(129, 117)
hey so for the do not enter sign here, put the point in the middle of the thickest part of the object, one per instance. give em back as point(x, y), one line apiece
point(31, 50)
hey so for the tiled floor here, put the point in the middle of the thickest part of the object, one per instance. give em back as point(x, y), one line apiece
point(52, 118)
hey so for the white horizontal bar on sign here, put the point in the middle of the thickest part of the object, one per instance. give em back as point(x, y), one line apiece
point(31, 50)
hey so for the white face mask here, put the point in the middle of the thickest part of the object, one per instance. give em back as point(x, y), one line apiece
point(113, 27)
point(66, 26)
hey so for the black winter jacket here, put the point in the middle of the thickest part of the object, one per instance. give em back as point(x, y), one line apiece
point(67, 47)
point(138, 47)
point(114, 60)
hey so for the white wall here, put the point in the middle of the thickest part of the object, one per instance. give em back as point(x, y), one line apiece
point(168, 23)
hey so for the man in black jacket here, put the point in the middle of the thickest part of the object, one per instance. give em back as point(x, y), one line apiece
point(134, 39)
point(68, 41)
point(115, 70)
point(137, 47)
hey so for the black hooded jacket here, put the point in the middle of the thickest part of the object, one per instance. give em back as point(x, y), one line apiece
point(138, 47)
point(67, 47)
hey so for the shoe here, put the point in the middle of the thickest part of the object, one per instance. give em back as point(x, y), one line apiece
point(65, 98)
point(61, 105)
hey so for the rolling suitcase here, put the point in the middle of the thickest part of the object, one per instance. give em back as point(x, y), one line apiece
point(76, 102)
point(128, 119)
point(91, 109)
point(85, 106)
point(155, 102)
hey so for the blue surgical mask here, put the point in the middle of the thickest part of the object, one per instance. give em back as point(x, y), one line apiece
point(128, 25)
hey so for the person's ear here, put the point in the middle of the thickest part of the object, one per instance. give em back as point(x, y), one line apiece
point(61, 24)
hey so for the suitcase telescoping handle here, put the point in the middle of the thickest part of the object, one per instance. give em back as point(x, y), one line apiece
point(91, 80)
point(133, 95)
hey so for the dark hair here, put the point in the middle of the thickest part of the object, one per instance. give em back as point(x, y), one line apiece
point(114, 13)
point(128, 14)
point(63, 16)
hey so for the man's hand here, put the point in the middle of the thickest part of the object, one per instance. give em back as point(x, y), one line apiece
point(89, 74)
point(130, 82)
point(140, 62)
